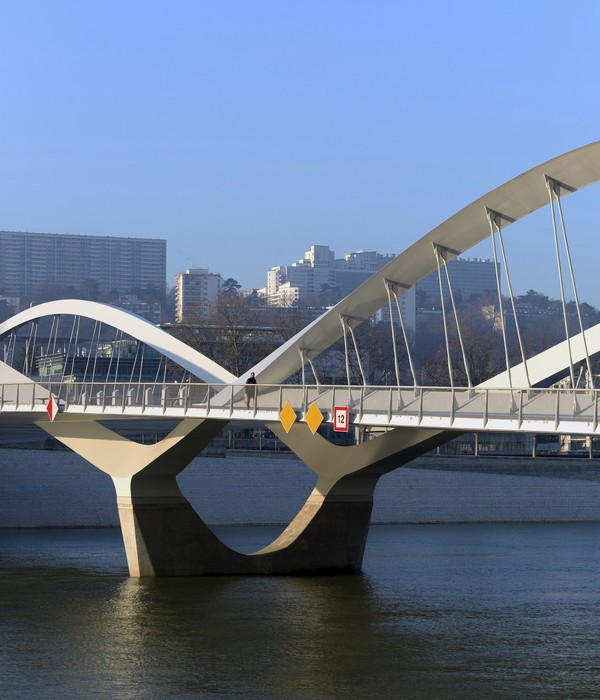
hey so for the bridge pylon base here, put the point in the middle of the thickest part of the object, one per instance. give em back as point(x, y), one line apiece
point(170, 539)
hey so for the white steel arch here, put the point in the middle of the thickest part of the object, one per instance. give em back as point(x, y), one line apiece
point(193, 361)
point(512, 201)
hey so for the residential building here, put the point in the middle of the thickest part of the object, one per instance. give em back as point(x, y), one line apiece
point(355, 268)
point(469, 277)
point(194, 290)
point(38, 266)
point(319, 273)
point(152, 311)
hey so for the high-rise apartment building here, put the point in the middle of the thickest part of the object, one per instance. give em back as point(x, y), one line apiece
point(31, 262)
point(355, 268)
point(469, 277)
point(318, 272)
point(288, 284)
point(194, 289)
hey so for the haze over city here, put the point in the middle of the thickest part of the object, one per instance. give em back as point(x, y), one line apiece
point(245, 132)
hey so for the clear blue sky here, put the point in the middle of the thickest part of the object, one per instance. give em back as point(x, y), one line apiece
point(243, 131)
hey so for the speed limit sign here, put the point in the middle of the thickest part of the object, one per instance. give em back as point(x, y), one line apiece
point(341, 418)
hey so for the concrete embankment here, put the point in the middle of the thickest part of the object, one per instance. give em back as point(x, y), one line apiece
point(40, 488)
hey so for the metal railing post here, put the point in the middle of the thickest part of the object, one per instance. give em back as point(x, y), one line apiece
point(486, 407)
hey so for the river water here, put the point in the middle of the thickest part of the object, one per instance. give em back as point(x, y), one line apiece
point(440, 611)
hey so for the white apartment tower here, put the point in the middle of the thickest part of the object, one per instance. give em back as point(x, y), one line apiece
point(317, 271)
point(194, 290)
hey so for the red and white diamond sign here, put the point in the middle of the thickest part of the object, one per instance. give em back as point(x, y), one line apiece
point(52, 407)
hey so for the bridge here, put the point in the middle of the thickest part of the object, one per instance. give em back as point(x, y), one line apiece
point(564, 411)
point(162, 534)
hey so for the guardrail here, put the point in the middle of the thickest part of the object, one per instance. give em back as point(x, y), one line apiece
point(543, 410)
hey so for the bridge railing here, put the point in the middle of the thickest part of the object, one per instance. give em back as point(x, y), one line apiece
point(376, 404)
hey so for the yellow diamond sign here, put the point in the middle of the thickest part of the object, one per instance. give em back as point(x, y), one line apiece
point(314, 418)
point(287, 416)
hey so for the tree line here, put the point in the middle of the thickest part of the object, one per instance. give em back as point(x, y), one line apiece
point(238, 331)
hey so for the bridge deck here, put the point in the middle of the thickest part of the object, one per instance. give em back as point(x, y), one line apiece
point(460, 409)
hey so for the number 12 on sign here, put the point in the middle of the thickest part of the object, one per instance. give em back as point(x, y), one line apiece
point(341, 418)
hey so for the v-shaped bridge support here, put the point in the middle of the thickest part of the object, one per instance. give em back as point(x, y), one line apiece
point(164, 536)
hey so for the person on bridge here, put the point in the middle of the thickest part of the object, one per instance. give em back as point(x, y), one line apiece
point(250, 392)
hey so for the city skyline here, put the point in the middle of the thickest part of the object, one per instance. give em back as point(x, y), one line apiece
point(361, 262)
point(234, 131)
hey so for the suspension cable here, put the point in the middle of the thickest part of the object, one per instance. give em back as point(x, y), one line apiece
point(137, 351)
point(27, 351)
point(344, 324)
point(112, 353)
point(12, 340)
point(460, 339)
point(360, 367)
point(56, 334)
point(393, 290)
point(68, 350)
point(76, 346)
point(561, 284)
point(14, 348)
point(119, 344)
point(512, 301)
point(141, 363)
point(96, 354)
point(87, 364)
point(301, 351)
point(160, 359)
point(312, 367)
point(443, 306)
point(556, 192)
point(165, 370)
point(493, 221)
point(36, 325)
point(389, 293)
point(50, 335)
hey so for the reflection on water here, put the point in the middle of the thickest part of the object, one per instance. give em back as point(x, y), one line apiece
point(440, 611)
